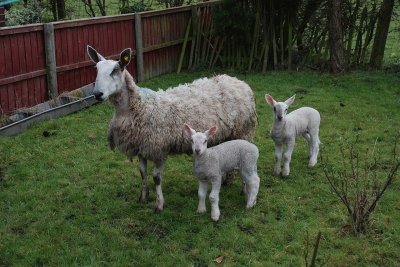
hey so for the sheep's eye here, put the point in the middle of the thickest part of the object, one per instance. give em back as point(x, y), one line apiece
point(205, 141)
point(286, 110)
point(275, 109)
point(191, 141)
point(113, 72)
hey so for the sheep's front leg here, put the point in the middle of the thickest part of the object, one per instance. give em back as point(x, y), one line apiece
point(157, 177)
point(202, 196)
point(287, 157)
point(214, 197)
point(278, 156)
point(144, 195)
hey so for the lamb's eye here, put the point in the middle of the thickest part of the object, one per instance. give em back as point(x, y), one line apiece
point(205, 141)
point(191, 141)
point(286, 110)
point(275, 109)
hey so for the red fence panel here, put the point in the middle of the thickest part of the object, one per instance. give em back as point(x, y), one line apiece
point(23, 70)
point(108, 35)
point(22, 67)
point(163, 34)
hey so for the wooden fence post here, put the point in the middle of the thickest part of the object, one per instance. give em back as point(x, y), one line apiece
point(139, 47)
point(50, 53)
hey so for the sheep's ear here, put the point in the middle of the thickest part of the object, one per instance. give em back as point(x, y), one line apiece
point(212, 131)
point(290, 100)
point(188, 130)
point(125, 57)
point(270, 100)
point(94, 56)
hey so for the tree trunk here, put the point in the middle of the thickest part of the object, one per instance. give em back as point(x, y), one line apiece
point(381, 33)
point(310, 9)
point(337, 51)
point(60, 9)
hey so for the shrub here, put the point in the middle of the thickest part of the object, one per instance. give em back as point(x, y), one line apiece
point(33, 12)
point(362, 181)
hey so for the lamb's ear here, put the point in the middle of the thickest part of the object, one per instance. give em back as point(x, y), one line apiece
point(270, 100)
point(94, 56)
point(212, 131)
point(125, 57)
point(188, 130)
point(290, 100)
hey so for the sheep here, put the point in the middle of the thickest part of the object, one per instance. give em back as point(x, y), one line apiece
point(210, 164)
point(146, 124)
point(286, 128)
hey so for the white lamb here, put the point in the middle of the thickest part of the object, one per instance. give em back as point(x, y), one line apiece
point(212, 163)
point(286, 128)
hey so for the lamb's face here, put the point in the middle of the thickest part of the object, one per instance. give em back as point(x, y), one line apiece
point(109, 79)
point(199, 143)
point(280, 108)
point(280, 111)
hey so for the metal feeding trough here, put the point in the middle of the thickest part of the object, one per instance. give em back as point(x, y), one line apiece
point(64, 104)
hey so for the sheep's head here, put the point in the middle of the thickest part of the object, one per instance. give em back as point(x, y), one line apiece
point(109, 78)
point(199, 140)
point(280, 108)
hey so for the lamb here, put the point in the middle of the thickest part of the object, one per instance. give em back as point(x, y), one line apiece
point(210, 164)
point(149, 124)
point(286, 128)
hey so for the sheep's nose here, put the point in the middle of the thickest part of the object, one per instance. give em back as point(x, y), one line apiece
point(279, 117)
point(98, 96)
point(197, 151)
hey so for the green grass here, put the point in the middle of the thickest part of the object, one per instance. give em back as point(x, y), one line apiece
point(69, 200)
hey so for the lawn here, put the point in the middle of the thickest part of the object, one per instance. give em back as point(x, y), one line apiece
point(69, 200)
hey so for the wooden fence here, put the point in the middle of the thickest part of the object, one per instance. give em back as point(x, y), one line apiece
point(40, 61)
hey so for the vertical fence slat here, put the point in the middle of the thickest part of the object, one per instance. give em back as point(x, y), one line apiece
point(139, 47)
point(50, 52)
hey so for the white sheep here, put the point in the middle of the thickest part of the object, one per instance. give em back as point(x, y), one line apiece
point(286, 128)
point(149, 124)
point(210, 164)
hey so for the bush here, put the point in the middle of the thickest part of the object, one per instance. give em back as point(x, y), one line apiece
point(33, 12)
point(361, 182)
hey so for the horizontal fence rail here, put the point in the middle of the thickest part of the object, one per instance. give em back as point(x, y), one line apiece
point(41, 61)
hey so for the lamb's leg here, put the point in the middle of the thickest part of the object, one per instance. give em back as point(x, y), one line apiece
point(314, 149)
point(278, 156)
point(287, 157)
point(202, 196)
point(214, 197)
point(144, 195)
point(253, 184)
point(157, 177)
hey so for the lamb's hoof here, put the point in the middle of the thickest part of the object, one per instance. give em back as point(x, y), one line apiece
point(277, 174)
point(215, 218)
point(312, 164)
point(201, 210)
point(285, 173)
point(249, 206)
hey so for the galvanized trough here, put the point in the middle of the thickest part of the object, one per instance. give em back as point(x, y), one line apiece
point(64, 106)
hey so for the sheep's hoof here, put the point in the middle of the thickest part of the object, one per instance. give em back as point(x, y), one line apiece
point(277, 174)
point(285, 174)
point(157, 210)
point(144, 196)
